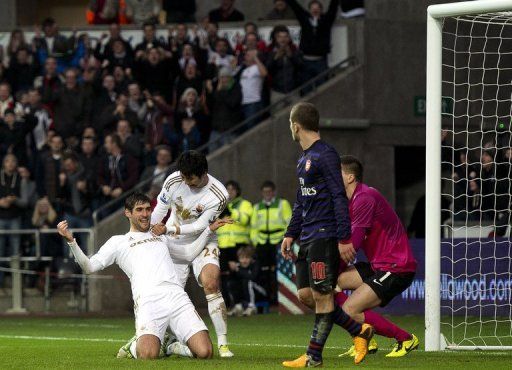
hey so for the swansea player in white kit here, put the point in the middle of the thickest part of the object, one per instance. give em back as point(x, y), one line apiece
point(159, 298)
point(195, 199)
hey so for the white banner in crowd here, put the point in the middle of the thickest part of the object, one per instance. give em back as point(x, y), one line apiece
point(339, 37)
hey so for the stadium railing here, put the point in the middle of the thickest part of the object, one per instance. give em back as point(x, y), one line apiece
point(308, 87)
point(17, 271)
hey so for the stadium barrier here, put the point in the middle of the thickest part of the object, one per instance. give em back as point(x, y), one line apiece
point(17, 272)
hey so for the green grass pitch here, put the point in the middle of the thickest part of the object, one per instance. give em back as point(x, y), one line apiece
point(260, 342)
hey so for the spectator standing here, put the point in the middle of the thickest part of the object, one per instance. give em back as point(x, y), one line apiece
point(190, 106)
point(7, 101)
point(48, 169)
point(10, 210)
point(315, 39)
point(283, 64)
point(226, 13)
point(251, 82)
point(161, 170)
point(89, 161)
point(103, 11)
point(189, 78)
point(105, 46)
point(52, 44)
point(225, 104)
point(131, 142)
point(149, 40)
point(50, 79)
point(142, 11)
point(156, 71)
point(269, 220)
point(16, 41)
point(13, 135)
point(187, 137)
point(279, 11)
point(245, 283)
point(71, 107)
point(118, 171)
point(22, 71)
point(158, 117)
point(75, 197)
point(40, 132)
point(45, 217)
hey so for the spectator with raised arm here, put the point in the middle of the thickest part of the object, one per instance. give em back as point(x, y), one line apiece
point(251, 80)
point(315, 40)
point(284, 63)
point(225, 104)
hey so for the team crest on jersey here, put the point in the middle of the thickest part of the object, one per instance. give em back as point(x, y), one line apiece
point(308, 164)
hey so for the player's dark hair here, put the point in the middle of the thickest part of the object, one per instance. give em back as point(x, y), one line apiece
point(134, 199)
point(268, 184)
point(192, 163)
point(235, 185)
point(306, 115)
point(353, 166)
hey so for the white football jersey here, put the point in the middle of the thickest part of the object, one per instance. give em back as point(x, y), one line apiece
point(193, 209)
point(143, 257)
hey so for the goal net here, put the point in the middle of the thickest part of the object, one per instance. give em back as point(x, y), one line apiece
point(468, 302)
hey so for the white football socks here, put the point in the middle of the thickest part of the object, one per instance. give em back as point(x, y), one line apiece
point(133, 349)
point(218, 314)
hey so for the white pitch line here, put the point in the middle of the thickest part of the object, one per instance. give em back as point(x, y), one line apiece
point(112, 340)
point(62, 338)
point(32, 324)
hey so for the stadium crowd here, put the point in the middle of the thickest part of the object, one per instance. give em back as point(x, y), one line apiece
point(83, 120)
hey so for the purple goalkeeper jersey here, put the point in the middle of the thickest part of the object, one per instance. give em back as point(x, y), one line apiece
point(377, 230)
point(321, 208)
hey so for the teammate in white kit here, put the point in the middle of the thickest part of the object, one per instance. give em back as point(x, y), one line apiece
point(159, 298)
point(195, 199)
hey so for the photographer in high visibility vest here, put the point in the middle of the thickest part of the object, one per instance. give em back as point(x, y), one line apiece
point(269, 220)
point(231, 238)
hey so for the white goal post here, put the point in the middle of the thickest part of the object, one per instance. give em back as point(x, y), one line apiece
point(436, 15)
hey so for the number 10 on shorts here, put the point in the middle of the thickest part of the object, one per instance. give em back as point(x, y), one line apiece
point(318, 270)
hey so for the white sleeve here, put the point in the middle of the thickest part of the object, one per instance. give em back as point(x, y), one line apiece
point(164, 198)
point(104, 258)
point(203, 222)
point(189, 252)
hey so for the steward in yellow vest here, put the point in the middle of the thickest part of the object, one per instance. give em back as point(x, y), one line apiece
point(231, 237)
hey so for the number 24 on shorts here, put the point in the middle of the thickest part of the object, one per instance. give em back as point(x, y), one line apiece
point(214, 251)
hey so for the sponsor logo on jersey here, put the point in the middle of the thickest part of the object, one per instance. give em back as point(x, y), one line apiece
point(154, 239)
point(305, 191)
point(164, 199)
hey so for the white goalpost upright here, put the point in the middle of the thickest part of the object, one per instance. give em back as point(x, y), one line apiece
point(479, 322)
